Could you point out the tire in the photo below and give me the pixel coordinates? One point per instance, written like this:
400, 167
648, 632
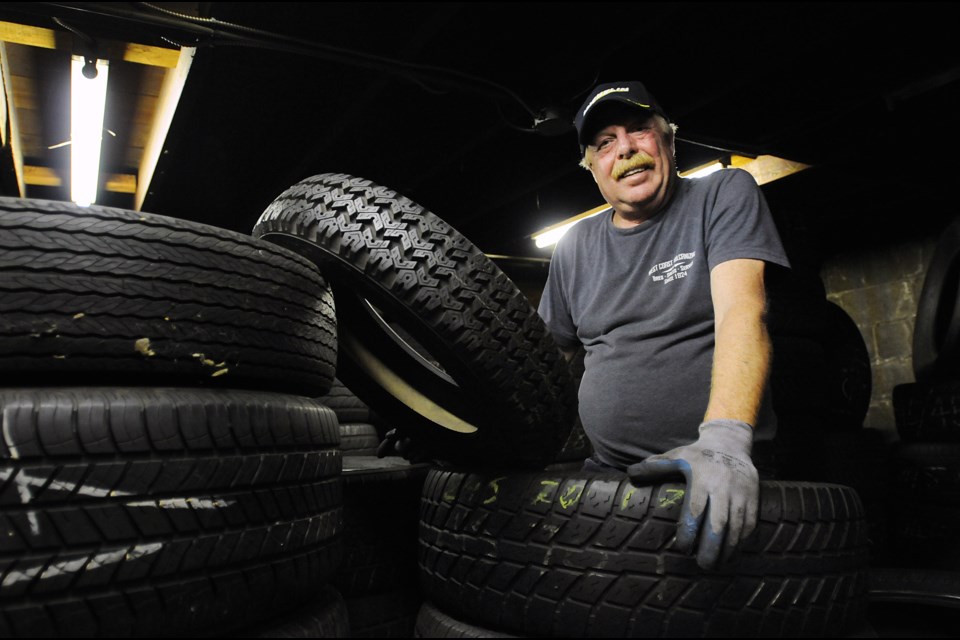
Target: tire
384, 615
347, 406
927, 411
932, 587
849, 381
831, 371
924, 505
936, 333
325, 617
795, 303
432, 334
590, 555
381, 497
862, 460
136, 512
930, 470
913, 603
798, 377
433, 623
114, 297
577, 446
359, 439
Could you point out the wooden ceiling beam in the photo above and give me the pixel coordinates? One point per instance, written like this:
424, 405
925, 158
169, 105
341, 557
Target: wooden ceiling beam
11, 124
46, 177
108, 49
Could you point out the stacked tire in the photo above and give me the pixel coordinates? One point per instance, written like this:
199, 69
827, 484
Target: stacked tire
926, 501
377, 576
821, 385
165, 470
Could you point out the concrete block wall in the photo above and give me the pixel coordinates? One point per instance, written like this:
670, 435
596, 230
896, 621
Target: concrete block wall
880, 289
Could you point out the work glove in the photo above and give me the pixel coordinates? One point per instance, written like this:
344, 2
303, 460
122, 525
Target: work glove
394, 443
723, 488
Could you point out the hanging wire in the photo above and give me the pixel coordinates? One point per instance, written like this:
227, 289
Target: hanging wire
407, 70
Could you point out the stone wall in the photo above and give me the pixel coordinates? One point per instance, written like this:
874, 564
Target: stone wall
880, 288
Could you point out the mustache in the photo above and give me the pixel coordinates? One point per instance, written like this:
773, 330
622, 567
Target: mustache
640, 160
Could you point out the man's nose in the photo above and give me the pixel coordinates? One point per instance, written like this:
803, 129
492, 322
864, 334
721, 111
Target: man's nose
626, 145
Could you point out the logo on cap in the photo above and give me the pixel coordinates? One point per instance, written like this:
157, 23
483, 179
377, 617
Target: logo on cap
607, 92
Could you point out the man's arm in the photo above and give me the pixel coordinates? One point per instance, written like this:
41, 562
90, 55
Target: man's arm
741, 358
722, 495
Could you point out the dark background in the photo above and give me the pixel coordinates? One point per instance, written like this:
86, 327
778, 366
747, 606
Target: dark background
442, 112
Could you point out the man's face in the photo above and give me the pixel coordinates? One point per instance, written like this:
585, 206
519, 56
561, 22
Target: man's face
632, 163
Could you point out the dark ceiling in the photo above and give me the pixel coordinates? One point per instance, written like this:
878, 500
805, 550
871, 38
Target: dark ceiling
436, 101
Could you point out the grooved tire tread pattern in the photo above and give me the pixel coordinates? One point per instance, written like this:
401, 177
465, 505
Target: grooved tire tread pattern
347, 406
127, 298
359, 439
590, 555
927, 411
325, 617
433, 623
132, 511
483, 330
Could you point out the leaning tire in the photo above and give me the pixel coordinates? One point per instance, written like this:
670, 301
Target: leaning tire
115, 297
134, 512
432, 334
590, 555
936, 332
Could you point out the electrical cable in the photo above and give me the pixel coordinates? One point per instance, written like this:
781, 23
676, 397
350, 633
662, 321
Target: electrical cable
288, 44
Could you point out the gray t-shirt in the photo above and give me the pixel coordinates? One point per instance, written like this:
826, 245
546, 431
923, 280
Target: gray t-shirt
639, 301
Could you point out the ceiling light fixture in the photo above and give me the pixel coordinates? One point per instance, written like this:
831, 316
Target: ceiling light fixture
88, 97
704, 170
763, 168
550, 235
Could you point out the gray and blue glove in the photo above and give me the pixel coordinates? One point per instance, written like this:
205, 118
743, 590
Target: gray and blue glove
723, 488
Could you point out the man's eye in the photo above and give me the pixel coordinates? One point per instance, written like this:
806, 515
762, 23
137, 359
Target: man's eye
603, 143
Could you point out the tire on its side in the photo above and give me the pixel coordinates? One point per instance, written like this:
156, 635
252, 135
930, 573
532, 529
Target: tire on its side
109, 296
591, 555
162, 512
433, 623
432, 334
927, 411
347, 406
325, 616
359, 439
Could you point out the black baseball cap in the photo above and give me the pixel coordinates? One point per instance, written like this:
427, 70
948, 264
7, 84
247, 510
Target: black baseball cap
631, 93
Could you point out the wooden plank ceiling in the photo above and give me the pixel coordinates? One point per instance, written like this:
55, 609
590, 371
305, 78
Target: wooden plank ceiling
145, 83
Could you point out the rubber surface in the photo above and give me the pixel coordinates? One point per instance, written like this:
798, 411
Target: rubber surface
152, 512
432, 334
97, 295
936, 332
590, 555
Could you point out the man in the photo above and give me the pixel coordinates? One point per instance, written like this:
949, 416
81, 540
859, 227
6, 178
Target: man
666, 295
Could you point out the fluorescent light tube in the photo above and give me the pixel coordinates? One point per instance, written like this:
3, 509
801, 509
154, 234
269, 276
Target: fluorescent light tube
88, 97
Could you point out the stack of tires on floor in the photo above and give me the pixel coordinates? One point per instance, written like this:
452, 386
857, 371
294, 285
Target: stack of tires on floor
821, 385
923, 568
377, 576
164, 467
442, 345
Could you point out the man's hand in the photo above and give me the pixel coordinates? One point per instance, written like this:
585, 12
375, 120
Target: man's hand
723, 488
